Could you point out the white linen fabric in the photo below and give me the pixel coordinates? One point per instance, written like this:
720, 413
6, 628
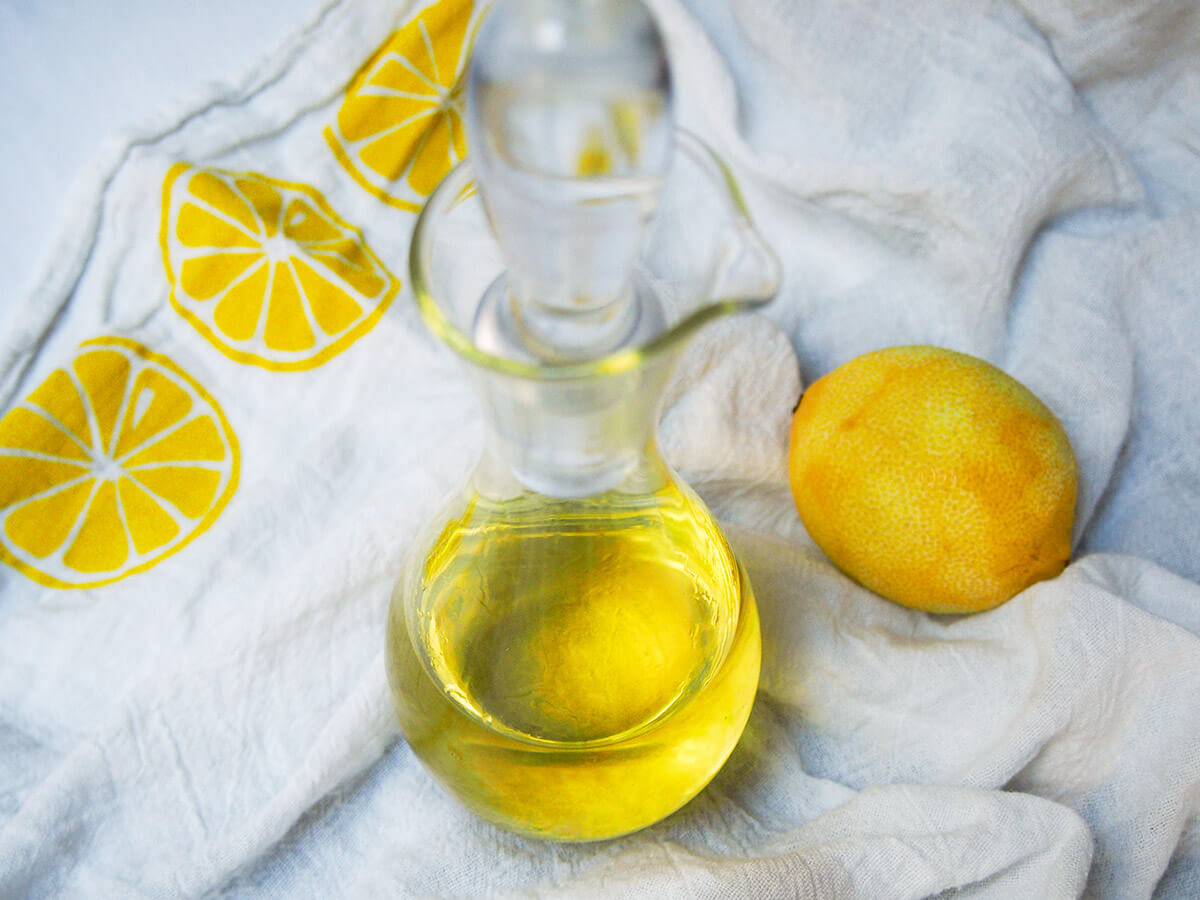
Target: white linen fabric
1020, 181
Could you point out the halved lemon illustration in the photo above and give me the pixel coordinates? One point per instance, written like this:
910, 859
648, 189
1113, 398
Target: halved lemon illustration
266, 270
116, 461
400, 127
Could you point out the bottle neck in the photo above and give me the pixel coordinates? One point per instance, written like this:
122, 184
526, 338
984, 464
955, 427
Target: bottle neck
572, 438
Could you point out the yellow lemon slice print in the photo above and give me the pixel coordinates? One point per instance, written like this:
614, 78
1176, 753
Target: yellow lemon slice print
400, 127
113, 463
266, 270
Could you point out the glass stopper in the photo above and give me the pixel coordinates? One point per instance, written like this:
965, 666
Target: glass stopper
570, 130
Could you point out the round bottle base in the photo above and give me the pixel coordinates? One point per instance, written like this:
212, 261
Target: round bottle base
590, 790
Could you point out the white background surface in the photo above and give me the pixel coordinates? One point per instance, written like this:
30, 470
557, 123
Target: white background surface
74, 72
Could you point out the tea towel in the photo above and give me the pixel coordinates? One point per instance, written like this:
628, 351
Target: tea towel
223, 422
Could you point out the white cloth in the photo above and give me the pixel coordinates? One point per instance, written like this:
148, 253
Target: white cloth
220, 722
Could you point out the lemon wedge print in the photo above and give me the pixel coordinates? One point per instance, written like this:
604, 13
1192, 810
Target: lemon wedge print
266, 270
115, 462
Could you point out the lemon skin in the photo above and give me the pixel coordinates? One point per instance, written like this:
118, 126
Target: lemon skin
933, 478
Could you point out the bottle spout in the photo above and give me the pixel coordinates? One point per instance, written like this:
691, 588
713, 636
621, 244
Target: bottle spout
747, 269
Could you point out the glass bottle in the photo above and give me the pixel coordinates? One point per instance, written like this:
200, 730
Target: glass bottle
573, 649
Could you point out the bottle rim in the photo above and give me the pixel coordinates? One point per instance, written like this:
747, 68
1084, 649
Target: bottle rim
459, 185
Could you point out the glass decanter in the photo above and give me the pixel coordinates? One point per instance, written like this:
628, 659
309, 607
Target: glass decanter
573, 649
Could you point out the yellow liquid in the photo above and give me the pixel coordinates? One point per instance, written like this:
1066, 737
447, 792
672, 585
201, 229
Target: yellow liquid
575, 670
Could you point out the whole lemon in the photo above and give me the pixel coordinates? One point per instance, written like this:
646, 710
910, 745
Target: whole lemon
933, 478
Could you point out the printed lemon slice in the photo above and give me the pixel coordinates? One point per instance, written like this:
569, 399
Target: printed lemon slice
400, 127
113, 463
266, 270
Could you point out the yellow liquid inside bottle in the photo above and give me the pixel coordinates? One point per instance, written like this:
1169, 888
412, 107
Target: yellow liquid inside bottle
575, 669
